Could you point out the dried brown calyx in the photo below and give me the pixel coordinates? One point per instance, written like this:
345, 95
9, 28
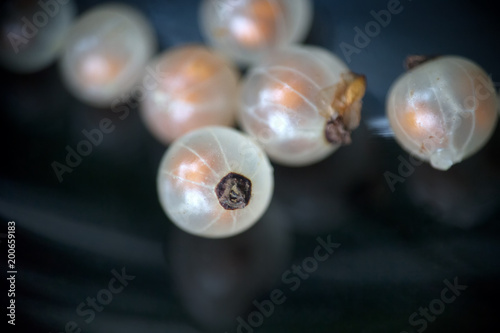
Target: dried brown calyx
346, 108
413, 61
234, 191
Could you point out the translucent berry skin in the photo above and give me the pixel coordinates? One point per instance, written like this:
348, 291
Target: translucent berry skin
246, 30
30, 37
443, 110
194, 87
105, 53
287, 101
191, 171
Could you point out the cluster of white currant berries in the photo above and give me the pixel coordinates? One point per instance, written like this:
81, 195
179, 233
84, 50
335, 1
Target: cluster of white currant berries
297, 103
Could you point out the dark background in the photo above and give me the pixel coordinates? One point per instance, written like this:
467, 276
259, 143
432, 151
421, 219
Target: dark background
396, 249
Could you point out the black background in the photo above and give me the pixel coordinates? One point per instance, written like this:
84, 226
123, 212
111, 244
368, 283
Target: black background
397, 247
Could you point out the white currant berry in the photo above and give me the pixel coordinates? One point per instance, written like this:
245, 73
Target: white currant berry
245, 30
106, 52
301, 104
443, 110
33, 33
215, 182
193, 87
